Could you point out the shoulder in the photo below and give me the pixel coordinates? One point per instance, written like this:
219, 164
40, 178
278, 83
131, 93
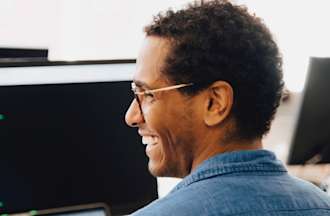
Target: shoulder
206, 197
185, 202
254, 193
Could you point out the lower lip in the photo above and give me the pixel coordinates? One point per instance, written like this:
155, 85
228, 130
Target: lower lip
150, 148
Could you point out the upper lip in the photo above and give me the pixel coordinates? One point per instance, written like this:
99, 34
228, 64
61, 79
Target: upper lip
143, 133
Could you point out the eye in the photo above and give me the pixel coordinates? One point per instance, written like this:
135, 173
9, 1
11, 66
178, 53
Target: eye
148, 96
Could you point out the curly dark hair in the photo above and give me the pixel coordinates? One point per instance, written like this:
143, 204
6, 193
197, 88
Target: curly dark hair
216, 40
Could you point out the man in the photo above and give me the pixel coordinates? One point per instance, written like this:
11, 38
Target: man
207, 84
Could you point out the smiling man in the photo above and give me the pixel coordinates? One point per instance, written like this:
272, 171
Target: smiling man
207, 85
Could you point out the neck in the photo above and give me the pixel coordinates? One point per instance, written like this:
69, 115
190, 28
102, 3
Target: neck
210, 149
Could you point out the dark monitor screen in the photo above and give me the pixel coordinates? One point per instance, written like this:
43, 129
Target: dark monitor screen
64, 141
95, 209
311, 139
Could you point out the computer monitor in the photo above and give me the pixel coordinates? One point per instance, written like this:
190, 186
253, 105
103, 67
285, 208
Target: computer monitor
311, 138
95, 209
22, 54
64, 141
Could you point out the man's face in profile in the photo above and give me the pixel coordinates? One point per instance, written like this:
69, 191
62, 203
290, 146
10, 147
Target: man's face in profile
167, 122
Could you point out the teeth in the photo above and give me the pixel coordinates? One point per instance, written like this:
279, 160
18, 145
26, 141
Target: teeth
147, 140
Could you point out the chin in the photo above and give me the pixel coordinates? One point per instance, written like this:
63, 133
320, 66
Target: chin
155, 170
158, 170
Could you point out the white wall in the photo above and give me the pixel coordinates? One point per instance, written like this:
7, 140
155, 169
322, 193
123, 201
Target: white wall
32, 23
78, 29
301, 29
112, 29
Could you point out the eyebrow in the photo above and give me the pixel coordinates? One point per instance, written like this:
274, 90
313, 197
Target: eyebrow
141, 84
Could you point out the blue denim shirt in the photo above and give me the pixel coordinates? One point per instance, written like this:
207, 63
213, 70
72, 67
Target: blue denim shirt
241, 183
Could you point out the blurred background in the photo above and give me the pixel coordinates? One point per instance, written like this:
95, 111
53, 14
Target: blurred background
112, 29
103, 29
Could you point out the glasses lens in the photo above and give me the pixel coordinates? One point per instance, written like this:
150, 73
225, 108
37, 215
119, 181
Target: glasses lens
138, 101
136, 96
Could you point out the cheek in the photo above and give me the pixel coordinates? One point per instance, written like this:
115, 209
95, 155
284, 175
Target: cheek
147, 111
161, 125
174, 137
171, 122
172, 125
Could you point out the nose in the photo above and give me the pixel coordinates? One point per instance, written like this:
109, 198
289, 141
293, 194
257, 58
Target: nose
134, 115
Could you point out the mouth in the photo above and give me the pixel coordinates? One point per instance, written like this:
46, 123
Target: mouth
151, 144
149, 140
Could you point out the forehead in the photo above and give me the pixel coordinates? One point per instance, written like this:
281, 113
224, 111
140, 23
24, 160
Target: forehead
150, 61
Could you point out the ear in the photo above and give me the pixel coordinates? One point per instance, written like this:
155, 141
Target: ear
219, 102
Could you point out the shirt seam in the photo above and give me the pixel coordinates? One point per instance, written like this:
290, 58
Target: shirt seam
227, 171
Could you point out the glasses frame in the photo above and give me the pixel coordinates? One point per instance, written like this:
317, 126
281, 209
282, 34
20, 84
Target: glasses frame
145, 92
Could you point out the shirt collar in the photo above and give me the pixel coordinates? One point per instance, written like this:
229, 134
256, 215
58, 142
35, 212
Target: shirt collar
234, 162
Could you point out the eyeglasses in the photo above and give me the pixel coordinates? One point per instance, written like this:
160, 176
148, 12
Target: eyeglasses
148, 95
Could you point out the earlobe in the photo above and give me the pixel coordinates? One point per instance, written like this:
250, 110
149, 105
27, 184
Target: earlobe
219, 103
